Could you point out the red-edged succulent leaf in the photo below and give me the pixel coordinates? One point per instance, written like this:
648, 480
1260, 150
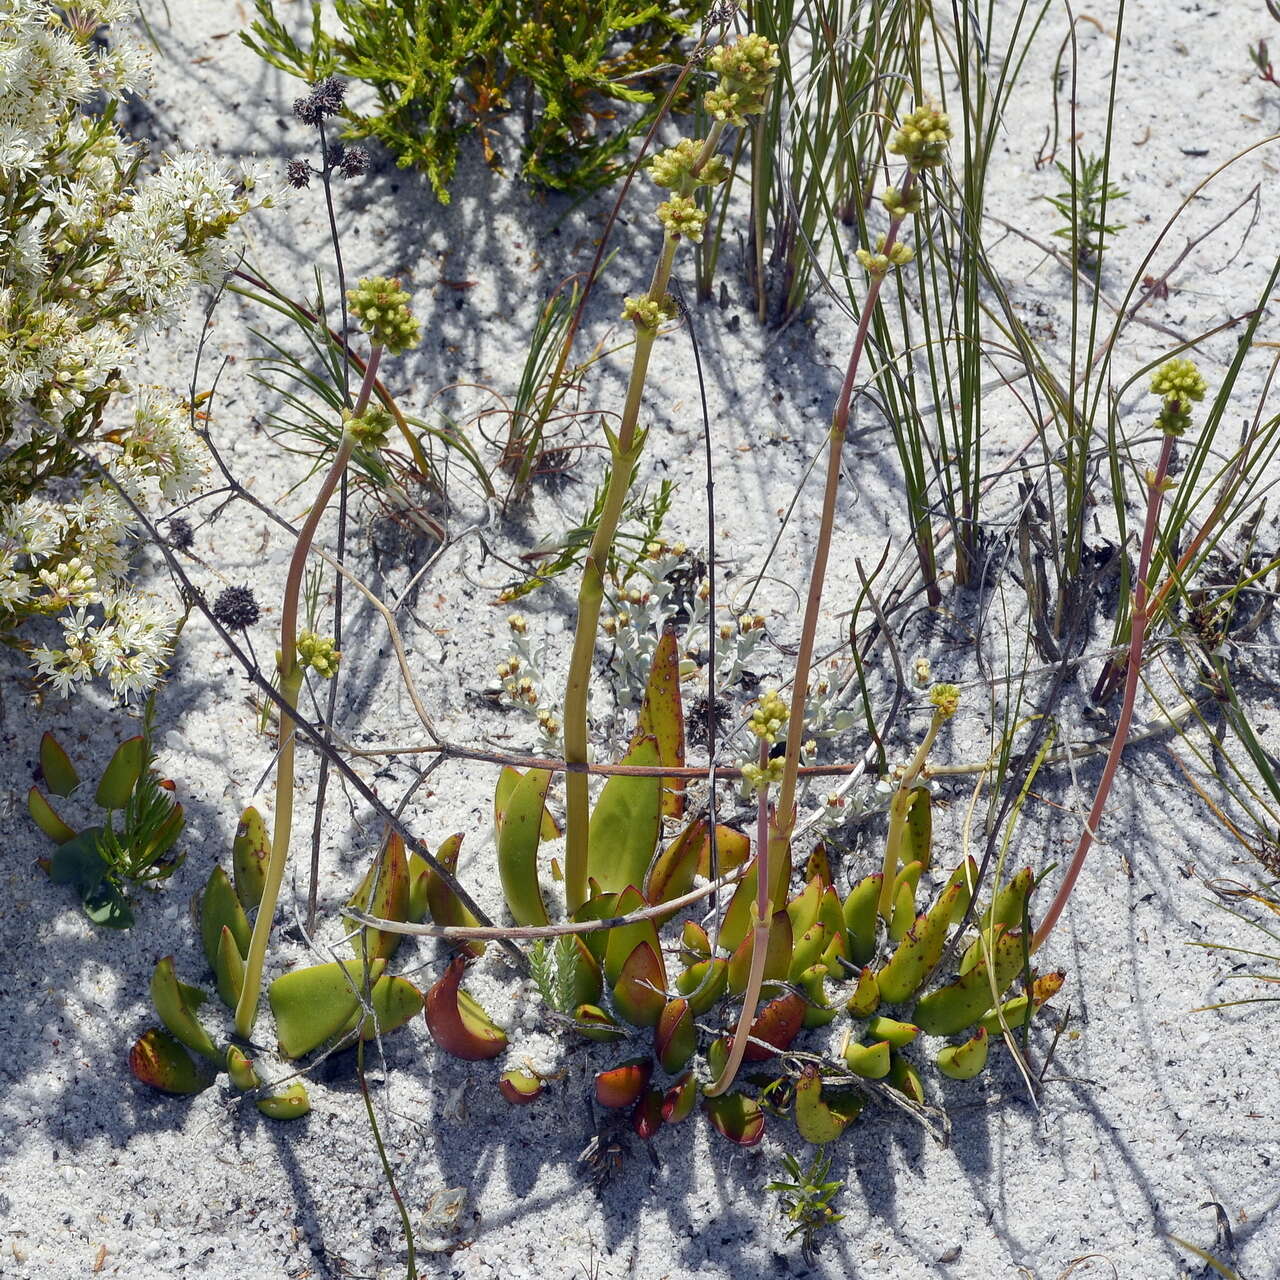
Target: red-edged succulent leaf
639, 995
662, 718
622, 940
675, 1037
159, 1060
672, 874
736, 1117
621, 1086
595, 1024
520, 1088
678, 1102
457, 1023
778, 1023
646, 1117
733, 848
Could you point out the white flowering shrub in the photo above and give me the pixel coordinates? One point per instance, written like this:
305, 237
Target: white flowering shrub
92, 259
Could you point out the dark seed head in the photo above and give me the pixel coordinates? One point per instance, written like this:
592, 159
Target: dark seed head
354, 162
236, 608
298, 173
328, 94
307, 111
181, 534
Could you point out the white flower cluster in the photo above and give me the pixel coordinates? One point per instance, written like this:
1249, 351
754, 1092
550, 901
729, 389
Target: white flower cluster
92, 259
69, 560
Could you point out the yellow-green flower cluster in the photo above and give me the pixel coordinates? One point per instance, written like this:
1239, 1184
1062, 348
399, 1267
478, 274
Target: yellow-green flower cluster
371, 428
673, 168
900, 205
880, 262
922, 138
646, 312
945, 699
760, 777
769, 716
746, 70
319, 653
1180, 383
382, 308
680, 216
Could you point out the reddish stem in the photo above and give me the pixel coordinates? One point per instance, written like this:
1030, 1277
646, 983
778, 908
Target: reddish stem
1137, 637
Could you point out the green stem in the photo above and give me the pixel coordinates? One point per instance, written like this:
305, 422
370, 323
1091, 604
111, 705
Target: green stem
290, 687
625, 451
624, 448
898, 809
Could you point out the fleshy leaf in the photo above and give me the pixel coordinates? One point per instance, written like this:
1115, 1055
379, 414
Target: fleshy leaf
174, 1001
736, 1117
159, 1060
59, 773
384, 892
662, 718
518, 825
622, 1085
250, 851
46, 818
639, 994
625, 822
219, 908
314, 1004
122, 773
457, 1023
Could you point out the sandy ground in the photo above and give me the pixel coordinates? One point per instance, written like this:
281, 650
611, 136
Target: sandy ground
1154, 1112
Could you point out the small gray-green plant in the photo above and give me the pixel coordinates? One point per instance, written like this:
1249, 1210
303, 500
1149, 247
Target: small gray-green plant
1084, 205
806, 1200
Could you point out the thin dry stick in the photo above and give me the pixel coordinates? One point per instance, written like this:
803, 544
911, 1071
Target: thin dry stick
467, 933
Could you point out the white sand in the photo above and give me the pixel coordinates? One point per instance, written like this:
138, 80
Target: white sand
1152, 1110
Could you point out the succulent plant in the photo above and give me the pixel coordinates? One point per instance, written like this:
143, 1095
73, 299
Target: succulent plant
828, 959
318, 1005
134, 842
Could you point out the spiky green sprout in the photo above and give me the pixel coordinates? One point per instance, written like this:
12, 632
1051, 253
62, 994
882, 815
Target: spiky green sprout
807, 1200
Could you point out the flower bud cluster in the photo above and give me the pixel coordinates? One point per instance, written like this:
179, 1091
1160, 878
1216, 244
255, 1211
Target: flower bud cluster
768, 717
371, 428
680, 216
382, 308
319, 653
880, 262
762, 777
945, 700
673, 168
746, 69
922, 138
648, 313
1179, 382
899, 205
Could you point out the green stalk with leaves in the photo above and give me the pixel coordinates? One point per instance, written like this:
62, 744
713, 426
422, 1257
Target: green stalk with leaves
745, 71
381, 308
